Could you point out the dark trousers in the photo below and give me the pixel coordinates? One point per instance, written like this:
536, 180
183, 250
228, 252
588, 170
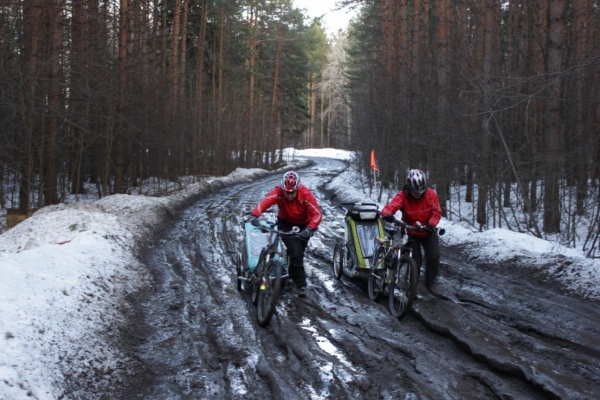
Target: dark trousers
431, 245
295, 250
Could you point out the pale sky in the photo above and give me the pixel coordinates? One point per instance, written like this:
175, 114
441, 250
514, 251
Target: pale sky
333, 20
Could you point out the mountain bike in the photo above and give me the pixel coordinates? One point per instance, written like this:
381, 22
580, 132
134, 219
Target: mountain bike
394, 267
267, 280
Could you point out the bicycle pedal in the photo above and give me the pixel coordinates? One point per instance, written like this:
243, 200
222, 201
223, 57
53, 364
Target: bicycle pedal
388, 277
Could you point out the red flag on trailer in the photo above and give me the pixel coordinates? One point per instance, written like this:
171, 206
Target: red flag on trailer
373, 163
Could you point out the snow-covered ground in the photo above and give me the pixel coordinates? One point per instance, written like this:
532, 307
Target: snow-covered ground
66, 270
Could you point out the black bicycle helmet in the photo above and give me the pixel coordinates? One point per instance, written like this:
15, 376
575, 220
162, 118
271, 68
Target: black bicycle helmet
416, 181
290, 181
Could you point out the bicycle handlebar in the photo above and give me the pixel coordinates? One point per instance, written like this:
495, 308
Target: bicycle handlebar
269, 227
418, 228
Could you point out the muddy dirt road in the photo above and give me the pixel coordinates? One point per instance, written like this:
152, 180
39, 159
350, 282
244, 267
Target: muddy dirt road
494, 331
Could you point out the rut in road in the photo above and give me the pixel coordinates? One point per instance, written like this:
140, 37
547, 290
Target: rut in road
496, 331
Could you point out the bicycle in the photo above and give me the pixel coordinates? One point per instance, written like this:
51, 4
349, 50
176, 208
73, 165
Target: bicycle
393, 265
268, 278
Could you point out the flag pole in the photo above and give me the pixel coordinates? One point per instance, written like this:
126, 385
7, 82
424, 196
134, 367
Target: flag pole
375, 169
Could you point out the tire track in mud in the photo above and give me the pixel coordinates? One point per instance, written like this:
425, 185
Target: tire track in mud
519, 329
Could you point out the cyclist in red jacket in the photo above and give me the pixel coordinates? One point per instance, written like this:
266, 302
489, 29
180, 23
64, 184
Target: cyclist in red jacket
297, 207
419, 205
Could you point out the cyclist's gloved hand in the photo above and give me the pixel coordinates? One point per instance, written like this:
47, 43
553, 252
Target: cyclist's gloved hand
388, 218
430, 227
253, 220
305, 233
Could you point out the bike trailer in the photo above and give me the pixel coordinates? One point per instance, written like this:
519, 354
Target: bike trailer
363, 225
255, 240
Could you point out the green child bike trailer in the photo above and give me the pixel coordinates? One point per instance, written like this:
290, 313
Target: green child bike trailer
362, 224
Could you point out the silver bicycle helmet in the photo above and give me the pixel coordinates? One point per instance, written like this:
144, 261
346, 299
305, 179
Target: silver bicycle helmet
416, 181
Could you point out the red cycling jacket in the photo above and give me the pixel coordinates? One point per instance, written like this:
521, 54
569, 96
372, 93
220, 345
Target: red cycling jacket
303, 210
425, 210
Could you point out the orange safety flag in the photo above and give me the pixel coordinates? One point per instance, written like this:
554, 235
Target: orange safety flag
373, 163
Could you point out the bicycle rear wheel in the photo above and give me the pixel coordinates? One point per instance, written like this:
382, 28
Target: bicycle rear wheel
376, 282
403, 289
338, 261
268, 293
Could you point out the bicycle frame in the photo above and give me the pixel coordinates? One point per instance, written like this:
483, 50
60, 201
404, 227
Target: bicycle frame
274, 251
270, 272
394, 266
389, 245
385, 255
407, 239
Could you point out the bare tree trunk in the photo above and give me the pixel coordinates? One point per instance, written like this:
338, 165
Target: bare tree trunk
595, 153
488, 56
120, 128
321, 118
596, 150
388, 82
313, 109
415, 74
403, 55
54, 31
199, 87
540, 24
31, 16
78, 100
469, 184
443, 70
329, 102
274, 98
218, 89
248, 149
553, 118
181, 94
163, 36
583, 23
175, 134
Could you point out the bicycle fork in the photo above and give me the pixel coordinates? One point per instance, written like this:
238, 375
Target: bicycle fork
284, 271
390, 262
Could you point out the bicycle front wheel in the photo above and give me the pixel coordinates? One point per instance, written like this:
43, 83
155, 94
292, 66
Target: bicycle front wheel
376, 282
403, 289
255, 288
257, 277
268, 292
